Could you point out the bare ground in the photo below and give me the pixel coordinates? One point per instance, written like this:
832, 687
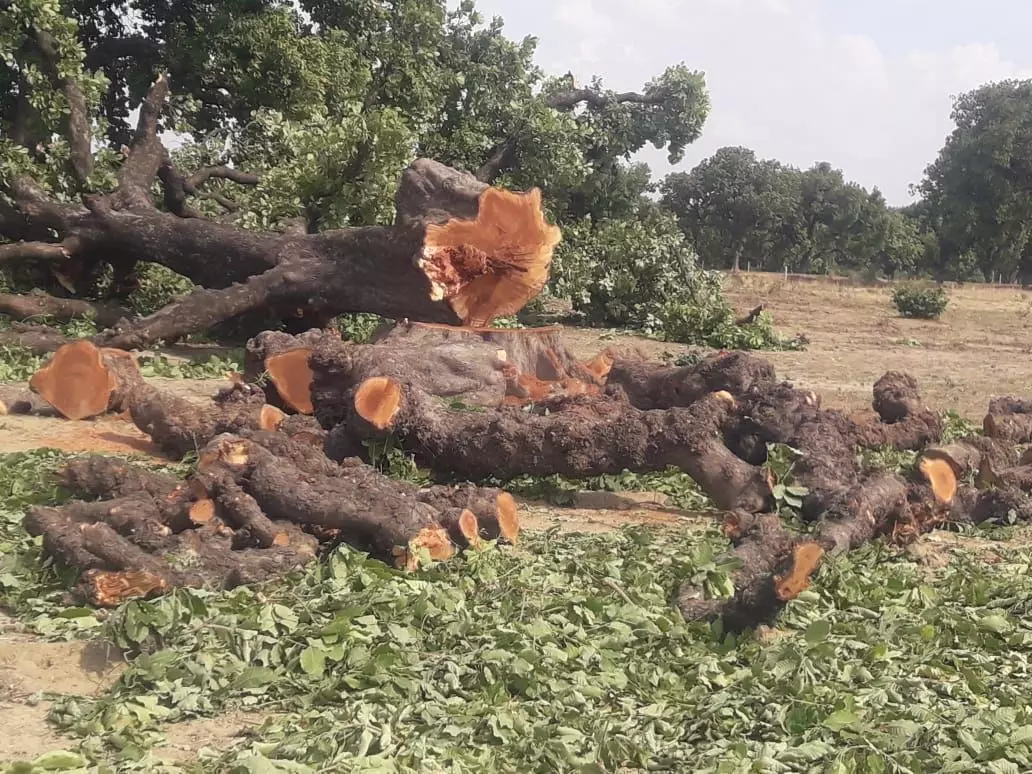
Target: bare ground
981, 347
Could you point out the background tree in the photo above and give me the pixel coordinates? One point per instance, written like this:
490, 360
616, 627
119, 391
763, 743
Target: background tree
734, 206
979, 189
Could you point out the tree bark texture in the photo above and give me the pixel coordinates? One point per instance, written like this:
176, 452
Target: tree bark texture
257, 506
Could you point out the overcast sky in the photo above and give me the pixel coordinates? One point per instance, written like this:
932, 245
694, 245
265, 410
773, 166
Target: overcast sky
864, 84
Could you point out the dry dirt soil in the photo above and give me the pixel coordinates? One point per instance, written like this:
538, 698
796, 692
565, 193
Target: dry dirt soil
981, 347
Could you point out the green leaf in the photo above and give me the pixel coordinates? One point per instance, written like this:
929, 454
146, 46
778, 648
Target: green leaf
995, 623
60, 760
841, 719
313, 661
818, 631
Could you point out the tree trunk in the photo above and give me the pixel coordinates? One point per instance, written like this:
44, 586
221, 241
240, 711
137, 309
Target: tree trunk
646, 385
459, 252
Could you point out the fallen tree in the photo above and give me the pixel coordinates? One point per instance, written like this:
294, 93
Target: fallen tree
573, 436
272, 482
459, 251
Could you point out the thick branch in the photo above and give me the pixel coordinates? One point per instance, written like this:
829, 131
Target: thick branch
109, 49
201, 176
78, 132
580, 436
146, 153
571, 98
36, 251
39, 304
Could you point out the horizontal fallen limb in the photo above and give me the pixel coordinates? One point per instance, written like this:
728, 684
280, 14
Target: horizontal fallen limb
40, 305
18, 400
648, 386
580, 436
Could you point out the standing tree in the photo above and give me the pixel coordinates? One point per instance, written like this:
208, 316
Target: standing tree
732, 205
299, 119
979, 189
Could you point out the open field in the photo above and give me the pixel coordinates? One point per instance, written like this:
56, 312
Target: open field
981, 347
911, 661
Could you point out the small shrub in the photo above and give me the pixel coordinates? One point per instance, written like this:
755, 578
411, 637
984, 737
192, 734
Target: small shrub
925, 303
358, 327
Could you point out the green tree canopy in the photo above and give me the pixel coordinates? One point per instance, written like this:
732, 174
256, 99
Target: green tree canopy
326, 101
978, 192
735, 208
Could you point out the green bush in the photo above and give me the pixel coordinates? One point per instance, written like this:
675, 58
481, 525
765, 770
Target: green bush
641, 273
922, 302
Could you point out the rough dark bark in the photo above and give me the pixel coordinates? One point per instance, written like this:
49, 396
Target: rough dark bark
255, 508
896, 396
579, 436
768, 553
537, 354
459, 251
468, 372
38, 339
178, 426
376, 516
38, 304
777, 565
648, 386
16, 400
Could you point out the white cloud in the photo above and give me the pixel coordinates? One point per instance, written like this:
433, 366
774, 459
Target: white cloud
782, 79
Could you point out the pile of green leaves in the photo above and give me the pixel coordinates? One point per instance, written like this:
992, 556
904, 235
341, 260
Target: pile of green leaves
561, 655
641, 273
921, 301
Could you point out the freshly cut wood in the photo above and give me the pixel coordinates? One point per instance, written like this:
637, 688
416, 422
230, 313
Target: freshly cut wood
491, 265
378, 516
494, 509
115, 568
255, 508
944, 467
574, 436
281, 361
765, 581
776, 566
646, 385
465, 371
178, 426
82, 380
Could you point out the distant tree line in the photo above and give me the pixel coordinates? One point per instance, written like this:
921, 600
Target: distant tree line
973, 221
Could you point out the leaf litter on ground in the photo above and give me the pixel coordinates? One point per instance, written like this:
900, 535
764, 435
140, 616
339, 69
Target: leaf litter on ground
561, 654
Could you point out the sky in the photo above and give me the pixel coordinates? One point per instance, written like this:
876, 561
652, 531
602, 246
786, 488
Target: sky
864, 84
